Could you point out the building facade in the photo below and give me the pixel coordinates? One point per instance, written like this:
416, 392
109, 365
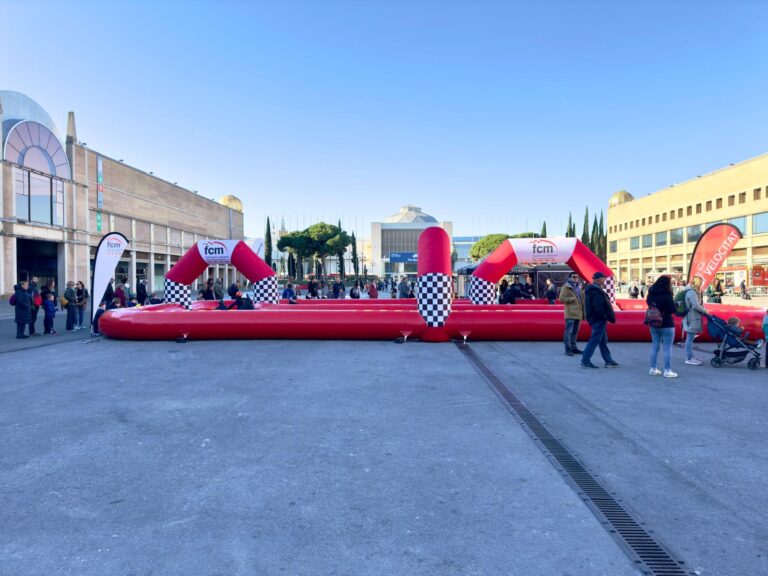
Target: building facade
657, 234
60, 197
397, 237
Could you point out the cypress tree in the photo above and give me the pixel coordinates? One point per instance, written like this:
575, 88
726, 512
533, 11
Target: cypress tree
570, 225
602, 240
544, 229
268, 245
585, 230
355, 261
594, 240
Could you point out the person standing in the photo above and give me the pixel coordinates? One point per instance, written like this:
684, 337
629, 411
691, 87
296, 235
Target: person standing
373, 291
109, 292
82, 305
23, 304
218, 289
573, 308
692, 322
141, 292
354, 292
70, 295
598, 311
37, 302
403, 290
660, 296
528, 288
502, 289
551, 293
208, 293
49, 306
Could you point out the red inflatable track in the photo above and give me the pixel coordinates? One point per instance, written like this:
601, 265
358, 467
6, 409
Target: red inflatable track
382, 320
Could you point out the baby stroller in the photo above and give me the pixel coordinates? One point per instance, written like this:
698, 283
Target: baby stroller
732, 347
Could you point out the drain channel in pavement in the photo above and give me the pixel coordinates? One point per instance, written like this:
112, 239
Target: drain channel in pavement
649, 555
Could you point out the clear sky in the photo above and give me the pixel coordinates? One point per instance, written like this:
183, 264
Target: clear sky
495, 115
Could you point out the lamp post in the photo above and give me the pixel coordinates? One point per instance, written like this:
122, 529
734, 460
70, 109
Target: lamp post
362, 263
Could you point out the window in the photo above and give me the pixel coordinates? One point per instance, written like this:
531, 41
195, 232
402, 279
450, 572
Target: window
631, 225
689, 211
657, 218
39, 198
671, 214
21, 189
679, 212
719, 203
634, 243
643, 221
648, 241
760, 223
698, 208
676, 236
742, 197
664, 217
731, 200
740, 223
612, 246
661, 238
694, 233
709, 205
756, 194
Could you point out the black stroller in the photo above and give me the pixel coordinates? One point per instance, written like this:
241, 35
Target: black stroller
732, 347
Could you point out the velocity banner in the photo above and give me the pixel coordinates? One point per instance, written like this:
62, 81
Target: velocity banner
714, 246
108, 254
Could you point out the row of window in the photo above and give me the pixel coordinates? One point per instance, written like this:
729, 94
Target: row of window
692, 233
39, 198
678, 213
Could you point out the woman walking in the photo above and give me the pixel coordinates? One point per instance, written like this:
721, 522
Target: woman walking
662, 335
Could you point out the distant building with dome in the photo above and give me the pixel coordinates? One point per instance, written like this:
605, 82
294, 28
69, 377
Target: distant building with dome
394, 240
60, 197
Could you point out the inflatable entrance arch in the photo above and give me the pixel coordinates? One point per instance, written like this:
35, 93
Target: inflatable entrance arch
571, 251
207, 252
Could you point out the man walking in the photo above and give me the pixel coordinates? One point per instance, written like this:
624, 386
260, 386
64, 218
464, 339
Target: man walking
599, 311
573, 300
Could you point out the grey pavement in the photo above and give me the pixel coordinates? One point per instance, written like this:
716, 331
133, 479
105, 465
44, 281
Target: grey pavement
265, 457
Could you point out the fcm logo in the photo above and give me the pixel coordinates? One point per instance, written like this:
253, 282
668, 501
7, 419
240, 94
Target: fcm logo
114, 244
543, 247
213, 250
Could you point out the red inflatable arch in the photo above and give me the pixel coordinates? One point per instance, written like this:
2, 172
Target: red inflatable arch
207, 252
570, 251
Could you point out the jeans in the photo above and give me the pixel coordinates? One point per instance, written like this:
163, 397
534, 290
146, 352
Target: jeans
570, 334
79, 315
597, 338
34, 311
48, 325
661, 336
689, 345
71, 311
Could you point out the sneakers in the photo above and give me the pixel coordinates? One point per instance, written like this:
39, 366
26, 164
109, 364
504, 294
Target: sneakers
694, 361
654, 372
568, 353
588, 365
759, 344
577, 351
612, 364
669, 374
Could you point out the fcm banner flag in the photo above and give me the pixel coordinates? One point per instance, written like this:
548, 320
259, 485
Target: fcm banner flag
108, 254
711, 250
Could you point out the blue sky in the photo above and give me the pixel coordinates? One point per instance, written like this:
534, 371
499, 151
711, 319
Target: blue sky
495, 115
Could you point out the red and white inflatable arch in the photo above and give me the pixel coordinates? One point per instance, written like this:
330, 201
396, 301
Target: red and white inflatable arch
207, 252
571, 251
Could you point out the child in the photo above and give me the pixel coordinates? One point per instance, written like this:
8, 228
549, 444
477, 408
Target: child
735, 325
49, 305
99, 312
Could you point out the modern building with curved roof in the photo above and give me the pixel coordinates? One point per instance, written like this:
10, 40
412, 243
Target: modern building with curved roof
60, 197
394, 240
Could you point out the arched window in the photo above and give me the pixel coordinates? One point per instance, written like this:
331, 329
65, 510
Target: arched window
32, 145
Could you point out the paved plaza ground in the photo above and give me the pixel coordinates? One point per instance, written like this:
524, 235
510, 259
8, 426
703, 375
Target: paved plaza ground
365, 458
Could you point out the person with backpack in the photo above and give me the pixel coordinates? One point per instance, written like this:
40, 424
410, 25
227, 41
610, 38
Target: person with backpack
688, 306
661, 307
354, 293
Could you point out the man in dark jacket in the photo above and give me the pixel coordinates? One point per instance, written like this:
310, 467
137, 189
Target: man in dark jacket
141, 292
109, 293
23, 304
234, 289
599, 311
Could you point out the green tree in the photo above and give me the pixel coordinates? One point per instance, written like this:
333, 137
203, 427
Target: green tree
268, 245
355, 261
486, 245
298, 245
593, 238
543, 229
602, 240
585, 230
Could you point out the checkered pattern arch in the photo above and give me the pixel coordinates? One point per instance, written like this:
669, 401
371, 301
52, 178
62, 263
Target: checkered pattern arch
265, 290
481, 291
178, 293
610, 288
435, 292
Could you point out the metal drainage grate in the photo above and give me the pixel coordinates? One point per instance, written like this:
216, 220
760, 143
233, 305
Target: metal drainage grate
644, 550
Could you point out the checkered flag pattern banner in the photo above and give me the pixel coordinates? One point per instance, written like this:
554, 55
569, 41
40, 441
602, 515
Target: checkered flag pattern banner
178, 293
435, 292
265, 290
481, 291
610, 288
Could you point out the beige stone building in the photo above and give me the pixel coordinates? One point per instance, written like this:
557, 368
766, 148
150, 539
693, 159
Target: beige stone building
60, 197
657, 233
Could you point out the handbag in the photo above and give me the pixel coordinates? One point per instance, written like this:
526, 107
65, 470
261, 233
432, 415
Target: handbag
63, 301
653, 317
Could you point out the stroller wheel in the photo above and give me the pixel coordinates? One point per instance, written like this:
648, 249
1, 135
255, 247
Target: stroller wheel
716, 362
754, 363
